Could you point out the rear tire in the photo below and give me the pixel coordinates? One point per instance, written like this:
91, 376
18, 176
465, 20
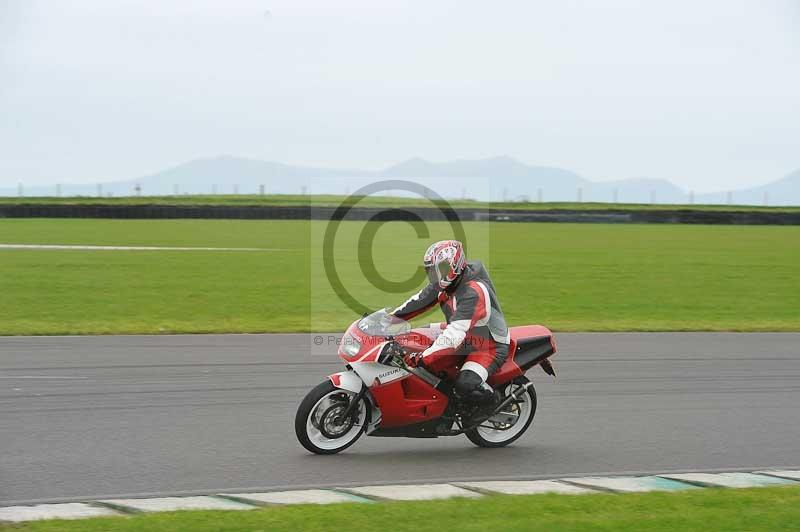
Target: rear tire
496, 437
315, 423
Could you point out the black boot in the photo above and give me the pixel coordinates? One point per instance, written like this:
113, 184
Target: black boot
483, 395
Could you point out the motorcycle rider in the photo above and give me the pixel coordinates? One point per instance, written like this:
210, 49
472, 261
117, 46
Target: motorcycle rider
475, 325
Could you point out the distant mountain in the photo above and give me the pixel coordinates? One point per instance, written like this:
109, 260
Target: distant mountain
218, 175
637, 191
227, 174
495, 179
414, 166
784, 191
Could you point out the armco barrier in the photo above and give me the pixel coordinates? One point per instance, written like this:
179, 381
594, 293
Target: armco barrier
261, 212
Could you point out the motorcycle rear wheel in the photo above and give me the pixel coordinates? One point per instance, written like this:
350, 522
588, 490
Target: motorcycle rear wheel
493, 435
317, 426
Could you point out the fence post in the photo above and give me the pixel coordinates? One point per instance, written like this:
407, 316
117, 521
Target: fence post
539, 195
261, 190
580, 194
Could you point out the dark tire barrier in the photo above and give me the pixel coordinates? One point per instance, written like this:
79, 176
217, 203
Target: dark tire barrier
260, 212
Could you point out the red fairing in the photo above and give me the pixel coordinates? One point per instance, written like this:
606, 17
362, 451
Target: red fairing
529, 331
418, 340
407, 401
371, 355
510, 370
336, 379
370, 345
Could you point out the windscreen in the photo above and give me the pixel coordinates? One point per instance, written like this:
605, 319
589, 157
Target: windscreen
382, 323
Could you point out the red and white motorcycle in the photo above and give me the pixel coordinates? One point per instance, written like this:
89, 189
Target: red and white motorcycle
381, 395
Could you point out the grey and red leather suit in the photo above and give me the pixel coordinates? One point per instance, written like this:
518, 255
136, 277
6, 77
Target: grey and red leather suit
475, 326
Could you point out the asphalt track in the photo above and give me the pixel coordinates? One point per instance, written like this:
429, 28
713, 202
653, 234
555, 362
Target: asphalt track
90, 417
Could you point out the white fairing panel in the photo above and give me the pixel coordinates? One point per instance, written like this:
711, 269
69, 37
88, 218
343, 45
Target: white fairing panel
347, 380
369, 371
350, 381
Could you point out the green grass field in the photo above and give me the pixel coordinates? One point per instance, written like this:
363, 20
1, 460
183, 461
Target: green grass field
582, 277
372, 201
709, 510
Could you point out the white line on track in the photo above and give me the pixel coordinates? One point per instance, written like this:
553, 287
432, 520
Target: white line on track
129, 248
51, 377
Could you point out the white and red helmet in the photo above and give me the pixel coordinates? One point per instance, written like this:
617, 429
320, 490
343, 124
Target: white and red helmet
444, 262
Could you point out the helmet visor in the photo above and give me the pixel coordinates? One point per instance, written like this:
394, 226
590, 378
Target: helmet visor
437, 272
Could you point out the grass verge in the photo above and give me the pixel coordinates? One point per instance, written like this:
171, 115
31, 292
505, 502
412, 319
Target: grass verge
571, 277
708, 510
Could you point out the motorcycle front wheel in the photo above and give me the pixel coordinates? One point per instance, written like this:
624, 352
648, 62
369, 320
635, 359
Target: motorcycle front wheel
506, 427
319, 425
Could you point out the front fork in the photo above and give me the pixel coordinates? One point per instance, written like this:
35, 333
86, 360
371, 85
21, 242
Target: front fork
350, 382
353, 405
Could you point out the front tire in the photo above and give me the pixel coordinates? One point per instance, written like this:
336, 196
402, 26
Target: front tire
317, 426
492, 434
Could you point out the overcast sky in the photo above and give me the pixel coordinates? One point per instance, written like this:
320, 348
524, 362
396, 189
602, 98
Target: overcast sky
704, 93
